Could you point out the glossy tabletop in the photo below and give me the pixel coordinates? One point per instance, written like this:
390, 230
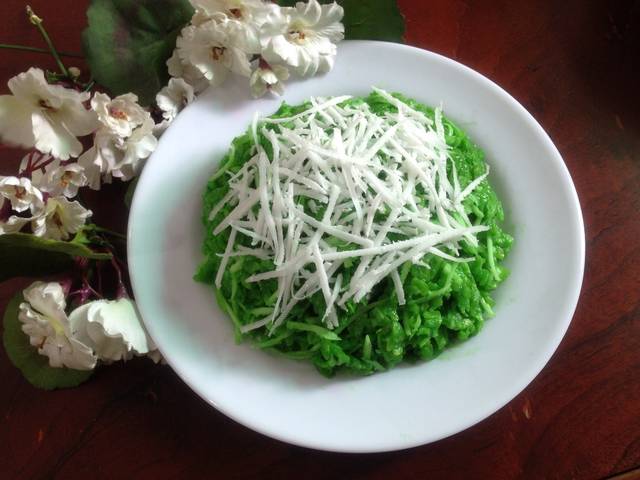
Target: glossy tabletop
575, 66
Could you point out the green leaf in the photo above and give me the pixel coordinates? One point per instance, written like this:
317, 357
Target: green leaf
34, 367
131, 189
368, 19
25, 255
128, 42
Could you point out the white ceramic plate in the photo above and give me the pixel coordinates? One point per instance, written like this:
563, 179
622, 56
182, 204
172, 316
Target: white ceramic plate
409, 405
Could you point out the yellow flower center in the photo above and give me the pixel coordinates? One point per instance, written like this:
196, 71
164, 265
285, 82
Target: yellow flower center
217, 52
45, 105
55, 218
20, 192
297, 36
118, 114
65, 179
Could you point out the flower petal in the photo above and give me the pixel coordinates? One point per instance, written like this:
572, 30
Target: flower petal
60, 219
174, 97
54, 138
112, 328
80, 357
120, 115
13, 224
77, 119
121, 317
31, 87
15, 122
49, 300
21, 193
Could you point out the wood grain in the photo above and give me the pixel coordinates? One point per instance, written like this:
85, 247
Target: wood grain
575, 66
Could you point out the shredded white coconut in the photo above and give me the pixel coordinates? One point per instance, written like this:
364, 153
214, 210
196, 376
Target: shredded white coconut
361, 171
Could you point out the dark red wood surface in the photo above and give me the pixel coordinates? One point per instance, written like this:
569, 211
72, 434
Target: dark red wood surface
575, 66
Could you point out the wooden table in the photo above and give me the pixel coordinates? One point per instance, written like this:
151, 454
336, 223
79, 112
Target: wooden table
575, 66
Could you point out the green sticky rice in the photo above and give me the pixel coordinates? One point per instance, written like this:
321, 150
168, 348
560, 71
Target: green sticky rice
446, 302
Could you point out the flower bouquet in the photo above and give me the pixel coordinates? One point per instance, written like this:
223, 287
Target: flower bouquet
82, 130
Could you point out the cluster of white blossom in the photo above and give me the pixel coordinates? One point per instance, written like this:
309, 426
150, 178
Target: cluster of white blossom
51, 119
256, 39
252, 38
78, 139
102, 330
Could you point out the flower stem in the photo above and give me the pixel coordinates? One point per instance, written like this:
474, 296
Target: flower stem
36, 161
88, 86
38, 50
122, 289
110, 232
37, 21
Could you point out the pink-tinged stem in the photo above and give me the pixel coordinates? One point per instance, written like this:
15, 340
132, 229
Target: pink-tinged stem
122, 289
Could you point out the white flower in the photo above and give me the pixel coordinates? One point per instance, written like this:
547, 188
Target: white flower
21, 193
268, 78
99, 160
61, 179
174, 97
134, 150
112, 328
210, 49
10, 223
303, 37
250, 11
120, 115
244, 19
13, 224
112, 156
60, 219
179, 69
124, 140
199, 17
47, 326
49, 117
